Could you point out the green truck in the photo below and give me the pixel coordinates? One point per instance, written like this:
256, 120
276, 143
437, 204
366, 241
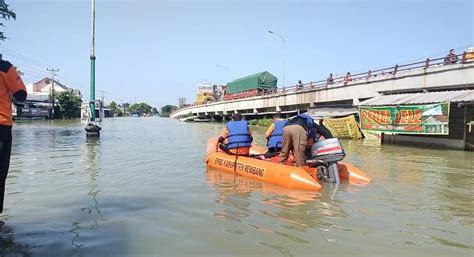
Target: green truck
251, 85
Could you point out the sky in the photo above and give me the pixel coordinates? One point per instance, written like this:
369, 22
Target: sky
157, 51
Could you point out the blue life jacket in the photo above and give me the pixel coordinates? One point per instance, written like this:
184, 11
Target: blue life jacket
310, 122
238, 134
276, 138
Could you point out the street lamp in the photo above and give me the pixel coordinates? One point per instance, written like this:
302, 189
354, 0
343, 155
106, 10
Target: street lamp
284, 54
218, 65
207, 82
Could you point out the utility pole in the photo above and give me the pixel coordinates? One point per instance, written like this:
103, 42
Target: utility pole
102, 95
102, 104
52, 73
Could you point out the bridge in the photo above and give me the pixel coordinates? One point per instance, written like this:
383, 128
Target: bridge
423, 76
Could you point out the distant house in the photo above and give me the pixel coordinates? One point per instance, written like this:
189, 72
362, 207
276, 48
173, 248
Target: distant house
44, 87
34, 107
38, 104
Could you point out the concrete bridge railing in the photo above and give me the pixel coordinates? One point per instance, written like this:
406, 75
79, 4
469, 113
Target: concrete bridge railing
429, 74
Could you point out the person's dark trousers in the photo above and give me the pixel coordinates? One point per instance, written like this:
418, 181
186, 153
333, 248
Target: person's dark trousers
5, 151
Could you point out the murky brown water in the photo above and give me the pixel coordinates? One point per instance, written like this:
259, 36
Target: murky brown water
143, 190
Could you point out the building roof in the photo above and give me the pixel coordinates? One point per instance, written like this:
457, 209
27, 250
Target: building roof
457, 96
46, 82
44, 85
37, 98
330, 112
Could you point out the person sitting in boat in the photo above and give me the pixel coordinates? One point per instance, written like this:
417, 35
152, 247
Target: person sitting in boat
296, 136
236, 137
274, 136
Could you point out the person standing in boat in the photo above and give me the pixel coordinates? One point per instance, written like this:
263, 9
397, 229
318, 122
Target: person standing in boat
321, 131
11, 86
236, 137
297, 134
274, 136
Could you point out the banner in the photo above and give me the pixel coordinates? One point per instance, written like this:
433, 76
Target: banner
373, 135
430, 119
343, 127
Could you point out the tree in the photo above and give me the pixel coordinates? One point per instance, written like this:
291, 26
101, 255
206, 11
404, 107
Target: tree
6, 14
115, 110
140, 108
125, 108
69, 105
167, 110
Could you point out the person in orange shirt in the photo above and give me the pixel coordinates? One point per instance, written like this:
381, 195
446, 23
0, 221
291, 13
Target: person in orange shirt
11, 86
236, 137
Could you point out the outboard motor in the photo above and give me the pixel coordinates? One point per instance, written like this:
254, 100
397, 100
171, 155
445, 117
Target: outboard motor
324, 155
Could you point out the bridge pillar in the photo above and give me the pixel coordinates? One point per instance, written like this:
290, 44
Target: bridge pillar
255, 110
278, 109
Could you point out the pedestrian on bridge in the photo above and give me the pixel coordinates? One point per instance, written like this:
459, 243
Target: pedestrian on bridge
299, 85
347, 78
330, 80
451, 58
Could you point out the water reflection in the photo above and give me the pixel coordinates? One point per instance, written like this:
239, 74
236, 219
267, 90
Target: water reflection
279, 211
456, 189
229, 184
8, 244
299, 209
91, 161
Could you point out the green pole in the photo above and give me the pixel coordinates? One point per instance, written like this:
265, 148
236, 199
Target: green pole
92, 92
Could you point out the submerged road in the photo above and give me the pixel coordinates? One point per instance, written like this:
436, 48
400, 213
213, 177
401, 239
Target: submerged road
143, 190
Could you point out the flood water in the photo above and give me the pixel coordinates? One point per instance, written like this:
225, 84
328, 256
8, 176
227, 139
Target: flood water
142, 190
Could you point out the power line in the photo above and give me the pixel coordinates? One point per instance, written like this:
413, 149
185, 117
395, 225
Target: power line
24, 57
25, 68
39, 66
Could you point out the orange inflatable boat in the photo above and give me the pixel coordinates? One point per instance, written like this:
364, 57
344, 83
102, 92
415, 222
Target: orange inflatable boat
271, 171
